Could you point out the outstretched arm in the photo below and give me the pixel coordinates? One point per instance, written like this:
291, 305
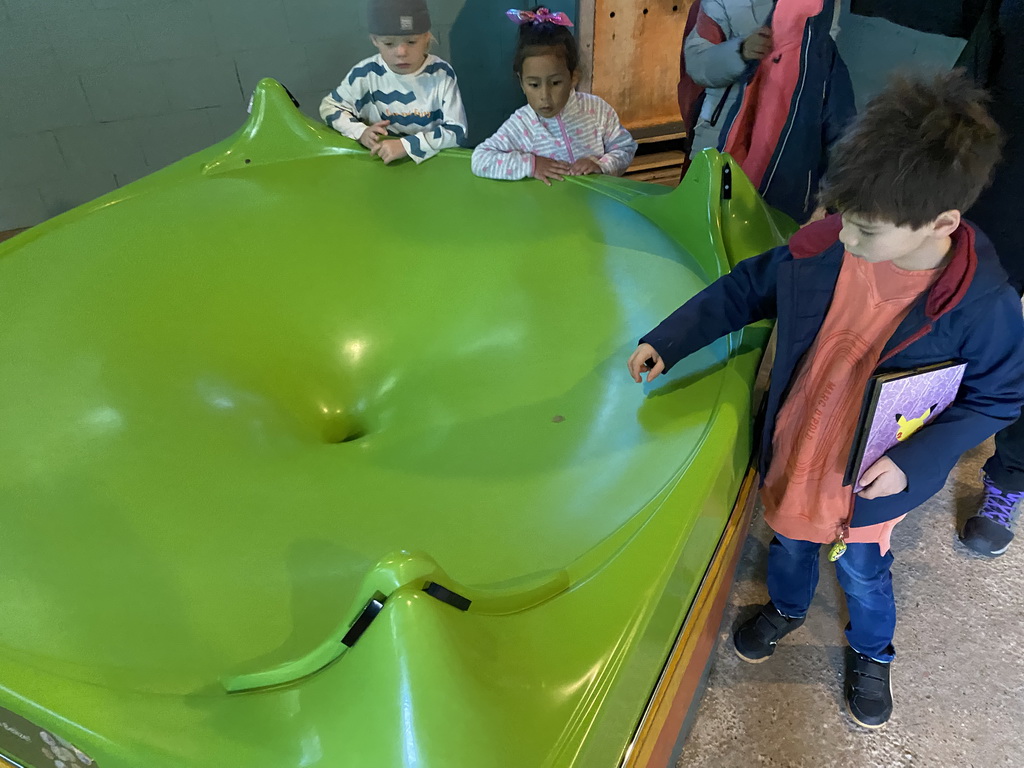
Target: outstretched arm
741, 297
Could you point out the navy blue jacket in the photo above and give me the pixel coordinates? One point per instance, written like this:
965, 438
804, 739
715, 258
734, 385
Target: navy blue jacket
969, 314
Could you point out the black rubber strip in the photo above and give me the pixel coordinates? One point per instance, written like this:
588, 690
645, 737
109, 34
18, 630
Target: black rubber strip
362, 622
445, 595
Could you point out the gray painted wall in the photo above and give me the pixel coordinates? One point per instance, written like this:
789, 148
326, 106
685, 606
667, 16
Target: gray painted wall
97, 93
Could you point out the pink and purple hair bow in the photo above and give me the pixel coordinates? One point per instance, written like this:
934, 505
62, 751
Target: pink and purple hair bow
540, 16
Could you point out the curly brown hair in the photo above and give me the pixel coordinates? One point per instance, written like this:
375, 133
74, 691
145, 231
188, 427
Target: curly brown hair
924, 145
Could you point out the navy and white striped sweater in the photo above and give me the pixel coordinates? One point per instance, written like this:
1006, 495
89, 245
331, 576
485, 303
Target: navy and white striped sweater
424, 107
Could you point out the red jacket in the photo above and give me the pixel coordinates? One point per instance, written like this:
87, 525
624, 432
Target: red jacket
792, 105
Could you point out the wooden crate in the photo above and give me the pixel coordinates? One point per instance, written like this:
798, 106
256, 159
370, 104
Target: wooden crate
660, 156
630, 54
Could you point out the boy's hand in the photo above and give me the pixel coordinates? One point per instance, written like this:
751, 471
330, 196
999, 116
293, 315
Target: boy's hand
390, 150
758, 45
883, 478
371, 136
585, 166
545, 169
645, 358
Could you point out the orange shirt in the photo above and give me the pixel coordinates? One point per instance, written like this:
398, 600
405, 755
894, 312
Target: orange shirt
803, 493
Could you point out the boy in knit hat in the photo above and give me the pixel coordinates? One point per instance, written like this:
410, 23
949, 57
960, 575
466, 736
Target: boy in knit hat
404, 92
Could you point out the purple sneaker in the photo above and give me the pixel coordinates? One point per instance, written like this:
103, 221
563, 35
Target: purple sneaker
990, 531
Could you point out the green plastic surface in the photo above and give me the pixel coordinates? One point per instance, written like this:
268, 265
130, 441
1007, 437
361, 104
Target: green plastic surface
249, 392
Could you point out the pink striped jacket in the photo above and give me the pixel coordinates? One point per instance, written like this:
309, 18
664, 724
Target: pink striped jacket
586, 127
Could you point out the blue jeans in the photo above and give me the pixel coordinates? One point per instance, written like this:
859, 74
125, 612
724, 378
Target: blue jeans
863, 574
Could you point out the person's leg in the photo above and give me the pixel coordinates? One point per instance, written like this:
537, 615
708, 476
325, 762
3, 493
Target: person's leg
792, 579
1006, 466
990, 531
864, 574
792, 575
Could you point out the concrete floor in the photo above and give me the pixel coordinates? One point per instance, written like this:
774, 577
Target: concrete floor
958, 680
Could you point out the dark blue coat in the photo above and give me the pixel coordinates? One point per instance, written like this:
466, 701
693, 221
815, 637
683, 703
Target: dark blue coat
813, 115
970, 314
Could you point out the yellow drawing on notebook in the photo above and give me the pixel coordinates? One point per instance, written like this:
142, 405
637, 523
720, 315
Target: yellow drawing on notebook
906, 427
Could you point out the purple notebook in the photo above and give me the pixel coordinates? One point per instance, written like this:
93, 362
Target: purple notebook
895, 406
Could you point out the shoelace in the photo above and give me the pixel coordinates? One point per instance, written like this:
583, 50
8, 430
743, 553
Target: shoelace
998, 504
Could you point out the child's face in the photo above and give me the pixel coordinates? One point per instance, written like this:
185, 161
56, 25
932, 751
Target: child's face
403, 54
878, 241
547, 83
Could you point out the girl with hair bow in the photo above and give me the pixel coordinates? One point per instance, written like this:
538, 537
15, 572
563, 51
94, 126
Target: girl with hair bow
560, 132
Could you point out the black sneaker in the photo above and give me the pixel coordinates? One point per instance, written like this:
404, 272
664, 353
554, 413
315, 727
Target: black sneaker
868, 693
990, 531
756, 638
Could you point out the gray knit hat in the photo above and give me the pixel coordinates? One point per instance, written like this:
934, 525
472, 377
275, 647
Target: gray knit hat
398, 17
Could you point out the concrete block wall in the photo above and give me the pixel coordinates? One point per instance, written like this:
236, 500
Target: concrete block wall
97, 93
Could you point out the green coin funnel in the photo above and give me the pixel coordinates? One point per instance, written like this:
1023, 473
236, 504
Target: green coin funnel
308, 461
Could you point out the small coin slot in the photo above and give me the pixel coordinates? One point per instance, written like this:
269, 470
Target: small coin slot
363, 621
445, 595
